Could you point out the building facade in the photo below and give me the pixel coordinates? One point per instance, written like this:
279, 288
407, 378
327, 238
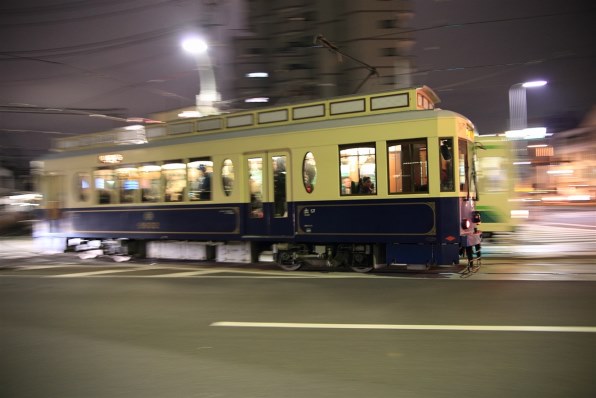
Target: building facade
318, 49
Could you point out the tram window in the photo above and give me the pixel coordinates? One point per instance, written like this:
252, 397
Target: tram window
128, 184
464, 165
446, 164
227, 176
309, 172
255, 183
175, 179
358, 169
150, 183
105, 185
408, 166
82, 186
199, 179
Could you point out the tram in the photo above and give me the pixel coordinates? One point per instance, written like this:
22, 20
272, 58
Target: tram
362, 181
499, 203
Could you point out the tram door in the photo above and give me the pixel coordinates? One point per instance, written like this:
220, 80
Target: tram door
53, 188
269, 185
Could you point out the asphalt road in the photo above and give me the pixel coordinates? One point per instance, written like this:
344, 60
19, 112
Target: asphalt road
292, 335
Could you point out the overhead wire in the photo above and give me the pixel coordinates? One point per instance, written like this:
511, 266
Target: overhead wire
53, 8
135, 9
45, 55
488, 21
105, 45
587, 11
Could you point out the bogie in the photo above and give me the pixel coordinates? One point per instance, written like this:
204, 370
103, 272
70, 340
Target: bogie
357, 257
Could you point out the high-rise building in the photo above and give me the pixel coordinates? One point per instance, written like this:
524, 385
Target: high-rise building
302, 49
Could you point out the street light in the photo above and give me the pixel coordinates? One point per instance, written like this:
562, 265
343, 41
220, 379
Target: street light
208, 94
194, 45
537, 83
518, 114
518, 128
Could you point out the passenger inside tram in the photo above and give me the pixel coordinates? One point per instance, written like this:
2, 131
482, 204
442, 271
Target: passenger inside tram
366, 186
348, 186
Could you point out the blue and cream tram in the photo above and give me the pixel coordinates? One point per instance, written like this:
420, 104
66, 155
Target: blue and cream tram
360, 181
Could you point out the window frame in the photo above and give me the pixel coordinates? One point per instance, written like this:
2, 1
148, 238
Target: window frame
413, 191
447, 184
356, 184
309, 182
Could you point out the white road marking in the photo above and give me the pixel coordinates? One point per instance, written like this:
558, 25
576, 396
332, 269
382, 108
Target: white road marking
36, 267
467, 328
184, 274
103, 272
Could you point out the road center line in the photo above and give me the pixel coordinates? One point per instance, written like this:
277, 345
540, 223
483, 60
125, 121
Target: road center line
468, 328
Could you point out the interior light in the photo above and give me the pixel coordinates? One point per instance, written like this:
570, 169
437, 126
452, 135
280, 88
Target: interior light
149, 168
257, 99
257, 74
173, 166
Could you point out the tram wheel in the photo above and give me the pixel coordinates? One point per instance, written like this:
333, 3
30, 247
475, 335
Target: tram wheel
361, 269
288, 262
360, 263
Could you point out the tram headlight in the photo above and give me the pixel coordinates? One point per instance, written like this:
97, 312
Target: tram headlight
476, 219
465, 223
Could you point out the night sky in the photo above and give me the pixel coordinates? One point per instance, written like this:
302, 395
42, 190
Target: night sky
61, 60
475, 50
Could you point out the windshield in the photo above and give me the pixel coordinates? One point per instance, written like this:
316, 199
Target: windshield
467, 168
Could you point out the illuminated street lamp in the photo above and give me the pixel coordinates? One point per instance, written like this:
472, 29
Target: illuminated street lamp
518, 114
194, 45
208, 94
518, 128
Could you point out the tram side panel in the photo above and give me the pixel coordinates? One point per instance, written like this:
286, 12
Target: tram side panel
181, 222
413, 231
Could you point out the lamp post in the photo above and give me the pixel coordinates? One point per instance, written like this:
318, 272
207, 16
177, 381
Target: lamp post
518, 114
208, 94
518, 125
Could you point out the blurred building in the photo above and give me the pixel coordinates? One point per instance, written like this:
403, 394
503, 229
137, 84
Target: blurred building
7, 181
560, 168
288, 53
572, 170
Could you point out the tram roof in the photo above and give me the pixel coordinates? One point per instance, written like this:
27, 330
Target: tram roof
410, 99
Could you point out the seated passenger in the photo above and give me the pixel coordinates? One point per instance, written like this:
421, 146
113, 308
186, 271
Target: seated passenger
348, 186
366, 186
104, 197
